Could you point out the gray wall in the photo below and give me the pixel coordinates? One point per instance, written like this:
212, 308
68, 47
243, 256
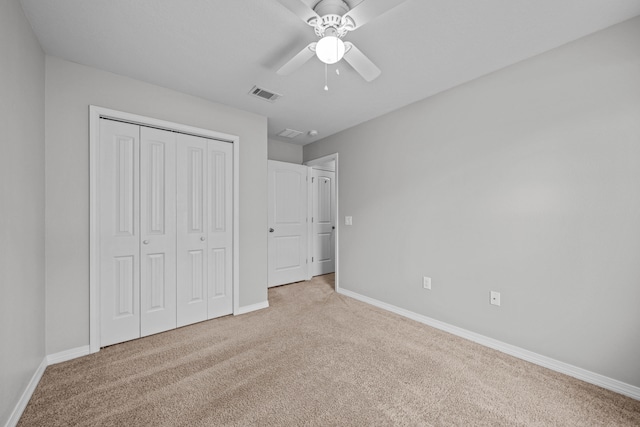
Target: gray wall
22, 293
526, 182
285, 152
70, 89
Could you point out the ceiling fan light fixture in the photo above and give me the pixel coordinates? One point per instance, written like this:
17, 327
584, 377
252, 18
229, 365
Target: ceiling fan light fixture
330, 49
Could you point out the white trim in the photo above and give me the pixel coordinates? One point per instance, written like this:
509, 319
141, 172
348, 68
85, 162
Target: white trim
94, 229
26, 395
310, 253
95, 114
236, 224
249, 308
318, 161
520, 353
72, 353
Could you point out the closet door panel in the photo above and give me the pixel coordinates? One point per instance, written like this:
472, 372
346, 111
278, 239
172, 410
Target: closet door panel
220, 233
158, 230
192, 229
119, 232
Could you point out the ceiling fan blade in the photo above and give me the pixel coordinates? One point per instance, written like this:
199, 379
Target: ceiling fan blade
370, 9
300, 9
297, 61
361, 63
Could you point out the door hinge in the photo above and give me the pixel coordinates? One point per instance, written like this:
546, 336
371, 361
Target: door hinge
311, 259
311, 219
306, 261
312, 179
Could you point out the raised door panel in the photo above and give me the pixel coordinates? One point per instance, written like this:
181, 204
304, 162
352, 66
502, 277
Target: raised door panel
220, 229
158, 231
192, 236
287, 188
119, 232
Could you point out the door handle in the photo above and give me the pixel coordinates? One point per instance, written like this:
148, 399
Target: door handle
146, 242
333, 227
271, 230
202, 238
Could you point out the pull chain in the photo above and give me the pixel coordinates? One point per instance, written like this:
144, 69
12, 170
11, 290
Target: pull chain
326, 84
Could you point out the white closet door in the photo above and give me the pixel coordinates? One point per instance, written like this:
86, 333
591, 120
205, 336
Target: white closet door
192, 264
220, 228
287, 217
119, 272
158, 231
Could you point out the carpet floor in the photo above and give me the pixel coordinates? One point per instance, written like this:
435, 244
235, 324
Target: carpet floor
315, 357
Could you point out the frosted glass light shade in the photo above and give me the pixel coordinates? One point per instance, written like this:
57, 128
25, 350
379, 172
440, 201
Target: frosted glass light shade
330, 49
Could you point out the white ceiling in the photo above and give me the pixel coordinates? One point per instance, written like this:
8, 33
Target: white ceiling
219, 49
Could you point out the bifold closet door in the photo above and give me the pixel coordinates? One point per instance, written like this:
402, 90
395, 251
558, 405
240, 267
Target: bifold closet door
220, 229
192, 229
119, 232
205, 225
157, 231
137, 231
166, 230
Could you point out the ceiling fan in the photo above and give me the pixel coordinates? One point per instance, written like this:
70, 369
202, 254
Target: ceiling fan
332, 20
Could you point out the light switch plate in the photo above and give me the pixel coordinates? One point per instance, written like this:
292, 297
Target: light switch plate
348, 220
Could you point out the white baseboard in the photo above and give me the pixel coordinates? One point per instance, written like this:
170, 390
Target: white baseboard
63, 356
50, 359
521, 353
253, 307
26, 395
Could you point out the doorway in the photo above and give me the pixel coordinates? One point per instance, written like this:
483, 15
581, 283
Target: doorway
303, 229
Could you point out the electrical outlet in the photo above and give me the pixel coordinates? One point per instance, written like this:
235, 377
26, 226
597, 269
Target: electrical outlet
495, 298
426, 282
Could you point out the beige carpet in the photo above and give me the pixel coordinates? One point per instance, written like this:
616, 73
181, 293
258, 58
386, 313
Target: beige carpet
314, 358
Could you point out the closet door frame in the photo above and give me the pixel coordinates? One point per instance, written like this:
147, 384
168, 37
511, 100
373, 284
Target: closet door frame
95, 114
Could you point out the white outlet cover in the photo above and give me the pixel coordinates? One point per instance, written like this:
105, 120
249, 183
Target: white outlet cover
495, 298
426, 282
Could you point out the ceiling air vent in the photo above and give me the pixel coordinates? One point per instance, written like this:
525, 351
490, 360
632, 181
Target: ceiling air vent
289, 133
258, 92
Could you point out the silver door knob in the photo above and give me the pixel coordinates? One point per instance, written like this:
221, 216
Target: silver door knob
271, 230
146, 242
202, 238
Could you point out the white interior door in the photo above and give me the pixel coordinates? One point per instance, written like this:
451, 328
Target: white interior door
323, 221
157, 231
192, 229
119, 271
220, 228
287, 188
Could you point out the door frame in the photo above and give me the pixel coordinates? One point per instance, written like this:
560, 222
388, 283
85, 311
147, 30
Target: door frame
320, 161
95, 114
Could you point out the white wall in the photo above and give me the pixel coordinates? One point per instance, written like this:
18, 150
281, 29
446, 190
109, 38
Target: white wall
22, 293
285, 152
70, 89
526, 182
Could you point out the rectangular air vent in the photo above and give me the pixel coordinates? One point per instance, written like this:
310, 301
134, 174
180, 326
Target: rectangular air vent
267, 95
289, 133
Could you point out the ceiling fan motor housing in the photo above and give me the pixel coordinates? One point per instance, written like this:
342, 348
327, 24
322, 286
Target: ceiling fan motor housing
331, 14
